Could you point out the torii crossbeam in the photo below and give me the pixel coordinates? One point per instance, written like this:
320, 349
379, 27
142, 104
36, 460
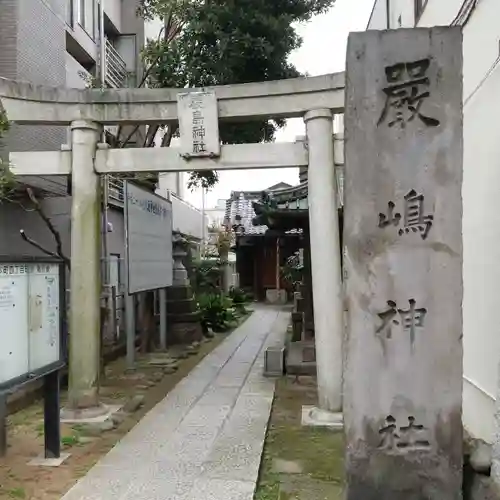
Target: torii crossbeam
316, 99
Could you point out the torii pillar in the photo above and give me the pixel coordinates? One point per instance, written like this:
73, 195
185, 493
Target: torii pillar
325, 266
85, 343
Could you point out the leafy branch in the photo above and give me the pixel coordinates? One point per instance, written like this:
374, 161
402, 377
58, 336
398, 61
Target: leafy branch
59, 253
218, 42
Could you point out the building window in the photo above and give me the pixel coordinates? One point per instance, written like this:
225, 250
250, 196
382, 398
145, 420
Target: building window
419, 8
70, 13
87, 16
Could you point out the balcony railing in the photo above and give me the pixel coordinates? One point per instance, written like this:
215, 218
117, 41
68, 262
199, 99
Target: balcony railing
115, 191
116, 69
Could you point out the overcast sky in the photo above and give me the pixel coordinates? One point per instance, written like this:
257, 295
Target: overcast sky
323, 51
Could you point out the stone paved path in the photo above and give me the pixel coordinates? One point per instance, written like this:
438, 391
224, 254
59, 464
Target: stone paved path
204, 440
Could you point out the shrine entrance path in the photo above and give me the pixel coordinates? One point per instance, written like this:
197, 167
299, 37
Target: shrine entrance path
204, 441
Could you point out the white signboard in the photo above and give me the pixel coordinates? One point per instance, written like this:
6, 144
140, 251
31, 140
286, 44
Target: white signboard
148, 224
29, 318
198, 124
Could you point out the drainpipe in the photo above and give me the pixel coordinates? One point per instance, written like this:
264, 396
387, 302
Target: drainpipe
102, 78
277, 263
105, 267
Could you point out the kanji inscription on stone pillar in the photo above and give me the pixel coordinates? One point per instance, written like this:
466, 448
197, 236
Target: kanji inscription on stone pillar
403, 238
198, 124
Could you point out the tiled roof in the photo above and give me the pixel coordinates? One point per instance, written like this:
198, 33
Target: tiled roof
239, 211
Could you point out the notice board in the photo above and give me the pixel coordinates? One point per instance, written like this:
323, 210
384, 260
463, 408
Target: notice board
30, 319
148, 225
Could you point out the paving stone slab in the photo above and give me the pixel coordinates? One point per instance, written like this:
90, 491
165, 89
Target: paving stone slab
218, 489
205, 439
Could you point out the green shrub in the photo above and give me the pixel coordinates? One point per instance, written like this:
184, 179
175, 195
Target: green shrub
216, 312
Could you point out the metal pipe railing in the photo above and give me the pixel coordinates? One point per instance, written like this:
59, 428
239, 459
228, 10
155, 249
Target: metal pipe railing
116, 69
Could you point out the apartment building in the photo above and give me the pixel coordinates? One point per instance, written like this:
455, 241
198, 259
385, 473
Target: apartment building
58, 43
481, 219
62, 43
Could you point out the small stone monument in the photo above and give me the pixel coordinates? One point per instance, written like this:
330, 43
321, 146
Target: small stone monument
403, 237
183, 317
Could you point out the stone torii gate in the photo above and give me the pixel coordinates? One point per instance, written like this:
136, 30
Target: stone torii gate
316, 100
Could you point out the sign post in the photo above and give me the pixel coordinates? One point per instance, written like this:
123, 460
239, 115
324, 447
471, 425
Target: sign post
148, 250
3, 424
162, 297
32, 339
198, 124
403, 235
51, 409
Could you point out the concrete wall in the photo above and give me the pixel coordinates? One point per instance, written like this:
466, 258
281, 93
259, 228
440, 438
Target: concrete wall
131, 23
73, 69
481, 218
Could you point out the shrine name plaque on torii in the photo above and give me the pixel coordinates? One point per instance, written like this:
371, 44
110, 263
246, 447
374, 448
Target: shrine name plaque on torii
315, 99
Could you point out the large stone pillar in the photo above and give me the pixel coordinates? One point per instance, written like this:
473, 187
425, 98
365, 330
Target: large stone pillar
403, 235
325, 258
85, 270
183, 318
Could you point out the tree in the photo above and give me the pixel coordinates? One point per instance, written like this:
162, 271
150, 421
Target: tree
219, 42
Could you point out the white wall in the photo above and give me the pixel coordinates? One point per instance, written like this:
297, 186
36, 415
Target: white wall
402, 14
440, 13
481, 189
187, 219
152, 29
167, 181
481, 36
481, 219
481, 229
378, 18
215, 216
113, 9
